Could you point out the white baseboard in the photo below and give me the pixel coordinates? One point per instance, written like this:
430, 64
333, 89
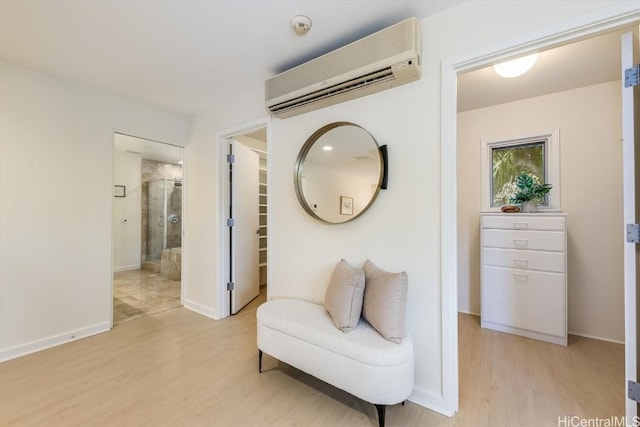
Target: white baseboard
200, 309
55, 340
570, 333
595, 338
469, 312
429, 400
127, 268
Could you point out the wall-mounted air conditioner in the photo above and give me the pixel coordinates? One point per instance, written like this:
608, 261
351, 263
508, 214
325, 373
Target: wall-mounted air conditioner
383, 60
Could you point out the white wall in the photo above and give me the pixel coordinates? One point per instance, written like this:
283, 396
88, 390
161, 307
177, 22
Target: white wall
200, 269
56, 193
591, 182
402, 229
399, 232
127, 219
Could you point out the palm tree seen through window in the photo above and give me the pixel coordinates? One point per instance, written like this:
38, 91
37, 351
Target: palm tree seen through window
509, 161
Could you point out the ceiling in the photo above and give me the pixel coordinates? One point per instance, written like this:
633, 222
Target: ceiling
587, 62
185, 55
147, 149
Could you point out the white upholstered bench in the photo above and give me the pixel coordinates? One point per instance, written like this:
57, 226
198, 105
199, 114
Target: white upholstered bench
360, 362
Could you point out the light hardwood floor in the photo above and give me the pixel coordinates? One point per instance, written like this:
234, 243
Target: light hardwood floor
178, 368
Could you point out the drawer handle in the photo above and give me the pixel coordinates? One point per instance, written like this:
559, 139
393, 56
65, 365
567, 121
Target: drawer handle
521, 277
520, 262
521, 225
523, 243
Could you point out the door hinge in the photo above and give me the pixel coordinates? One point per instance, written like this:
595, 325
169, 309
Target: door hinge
231, 286
632, 76
231, 222
633, 390
231, 158
633, 233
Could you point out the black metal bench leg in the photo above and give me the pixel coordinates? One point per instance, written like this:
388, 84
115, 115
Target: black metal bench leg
259, 361
381, 411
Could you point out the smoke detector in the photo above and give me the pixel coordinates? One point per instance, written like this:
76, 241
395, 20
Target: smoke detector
301, 24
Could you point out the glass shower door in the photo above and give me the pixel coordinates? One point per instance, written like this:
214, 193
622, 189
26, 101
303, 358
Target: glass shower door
174, 214
156, 219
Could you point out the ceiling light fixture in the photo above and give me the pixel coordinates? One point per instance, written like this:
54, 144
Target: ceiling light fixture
327, 148
515, 67
301, 24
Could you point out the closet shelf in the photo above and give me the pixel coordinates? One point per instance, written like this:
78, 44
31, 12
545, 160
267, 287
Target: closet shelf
262, 214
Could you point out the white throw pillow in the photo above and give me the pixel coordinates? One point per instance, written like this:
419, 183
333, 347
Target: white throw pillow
343, 298
385, 301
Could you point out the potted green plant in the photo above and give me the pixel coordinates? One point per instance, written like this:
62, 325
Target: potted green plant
529, 191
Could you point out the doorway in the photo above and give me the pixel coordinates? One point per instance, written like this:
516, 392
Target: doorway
584, 119
244, 203
147, 224
450, 182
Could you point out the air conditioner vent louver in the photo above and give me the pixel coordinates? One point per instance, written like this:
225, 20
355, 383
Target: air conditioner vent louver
388, 58
353, 84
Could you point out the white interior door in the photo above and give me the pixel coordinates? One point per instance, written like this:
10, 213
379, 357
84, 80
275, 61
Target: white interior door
244, 233
631, 186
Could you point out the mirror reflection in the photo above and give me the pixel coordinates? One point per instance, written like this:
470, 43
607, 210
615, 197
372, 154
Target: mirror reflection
338, 172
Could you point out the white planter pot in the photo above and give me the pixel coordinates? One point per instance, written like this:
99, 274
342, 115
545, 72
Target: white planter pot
529, 207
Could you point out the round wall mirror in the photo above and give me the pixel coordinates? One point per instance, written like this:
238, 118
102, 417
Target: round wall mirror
338, 172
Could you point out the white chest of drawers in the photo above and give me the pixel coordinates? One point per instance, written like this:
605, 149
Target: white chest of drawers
524, 275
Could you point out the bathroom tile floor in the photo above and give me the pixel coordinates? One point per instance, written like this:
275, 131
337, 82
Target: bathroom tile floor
141, 293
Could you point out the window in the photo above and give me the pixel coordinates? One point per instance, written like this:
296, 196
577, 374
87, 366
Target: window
509, 161
504, 160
